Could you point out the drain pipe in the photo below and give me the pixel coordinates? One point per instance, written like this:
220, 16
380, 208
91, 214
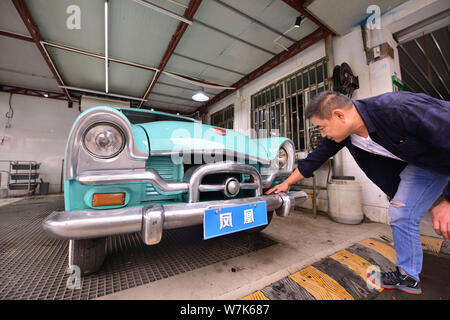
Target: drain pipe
329, 52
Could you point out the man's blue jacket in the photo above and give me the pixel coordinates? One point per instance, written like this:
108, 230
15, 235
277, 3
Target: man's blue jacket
413, 126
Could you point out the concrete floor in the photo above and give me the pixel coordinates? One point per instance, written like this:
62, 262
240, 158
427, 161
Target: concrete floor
301, 240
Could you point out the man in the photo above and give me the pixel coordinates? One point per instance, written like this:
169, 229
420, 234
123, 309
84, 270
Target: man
401, 140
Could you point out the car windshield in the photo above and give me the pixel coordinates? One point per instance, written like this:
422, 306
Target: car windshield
137, 117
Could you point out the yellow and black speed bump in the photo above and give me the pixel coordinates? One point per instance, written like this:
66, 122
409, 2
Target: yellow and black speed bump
342, 275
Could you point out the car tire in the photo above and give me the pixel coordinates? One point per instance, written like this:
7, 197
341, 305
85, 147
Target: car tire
259, 229
87, 254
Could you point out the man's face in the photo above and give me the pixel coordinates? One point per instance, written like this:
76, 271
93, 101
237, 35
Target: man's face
337, 128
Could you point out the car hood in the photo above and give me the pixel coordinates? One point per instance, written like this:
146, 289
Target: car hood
176, 136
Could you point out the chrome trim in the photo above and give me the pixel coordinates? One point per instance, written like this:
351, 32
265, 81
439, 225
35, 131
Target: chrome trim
269, 179
273, 172
288, 145
220, 187
152, 223
104, 124
288, 202
231, 187
80, 160
137, 175
152, 219
75, 225
220, 167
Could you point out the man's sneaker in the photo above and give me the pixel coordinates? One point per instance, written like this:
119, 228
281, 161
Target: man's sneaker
398, 279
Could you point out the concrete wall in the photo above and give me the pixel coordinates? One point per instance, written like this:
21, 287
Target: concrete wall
39, 131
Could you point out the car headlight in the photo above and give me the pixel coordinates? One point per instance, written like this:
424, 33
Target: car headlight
282, 157
104, 140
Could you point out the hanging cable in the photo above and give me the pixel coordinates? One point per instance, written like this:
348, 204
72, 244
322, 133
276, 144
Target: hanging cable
10, 114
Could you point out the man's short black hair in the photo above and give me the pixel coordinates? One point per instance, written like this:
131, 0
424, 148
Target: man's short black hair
324, 103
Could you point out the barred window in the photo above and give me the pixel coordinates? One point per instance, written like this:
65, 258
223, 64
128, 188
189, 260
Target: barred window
278, 110
223, 118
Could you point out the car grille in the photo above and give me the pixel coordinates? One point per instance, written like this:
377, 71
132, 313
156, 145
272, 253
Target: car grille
168, 171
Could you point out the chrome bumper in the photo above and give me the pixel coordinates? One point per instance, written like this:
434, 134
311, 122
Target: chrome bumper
151, 220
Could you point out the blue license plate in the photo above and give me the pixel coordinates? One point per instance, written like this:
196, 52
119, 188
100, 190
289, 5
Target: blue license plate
220, 221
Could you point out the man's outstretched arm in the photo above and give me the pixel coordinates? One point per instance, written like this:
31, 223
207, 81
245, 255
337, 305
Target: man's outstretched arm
306, 167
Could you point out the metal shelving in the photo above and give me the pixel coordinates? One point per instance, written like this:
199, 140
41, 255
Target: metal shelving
23, 175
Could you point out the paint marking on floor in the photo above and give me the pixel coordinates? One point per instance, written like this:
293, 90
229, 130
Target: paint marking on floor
320, 285
354, 262
258, 295
382, 248
431, 244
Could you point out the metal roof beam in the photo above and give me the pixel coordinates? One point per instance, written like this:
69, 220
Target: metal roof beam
181, 29
15, 35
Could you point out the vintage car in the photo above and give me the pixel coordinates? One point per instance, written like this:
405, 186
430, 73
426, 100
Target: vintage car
131, 170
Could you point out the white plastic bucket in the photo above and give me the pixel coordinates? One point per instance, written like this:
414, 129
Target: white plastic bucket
345, 201
3, 193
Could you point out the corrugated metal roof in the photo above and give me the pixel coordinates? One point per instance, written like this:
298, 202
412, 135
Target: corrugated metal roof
227, 40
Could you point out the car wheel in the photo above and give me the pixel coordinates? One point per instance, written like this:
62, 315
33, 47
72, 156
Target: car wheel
87, 254
259, 229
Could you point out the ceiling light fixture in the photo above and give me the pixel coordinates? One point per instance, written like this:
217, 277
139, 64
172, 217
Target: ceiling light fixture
200, 96
298, 21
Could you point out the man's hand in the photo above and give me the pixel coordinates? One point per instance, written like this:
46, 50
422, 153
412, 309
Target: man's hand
282, 187
441, 219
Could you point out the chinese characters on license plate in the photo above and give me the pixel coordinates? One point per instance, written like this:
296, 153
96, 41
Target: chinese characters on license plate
221, 221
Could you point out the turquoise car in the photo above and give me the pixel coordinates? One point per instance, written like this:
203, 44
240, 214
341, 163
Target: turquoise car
132, 170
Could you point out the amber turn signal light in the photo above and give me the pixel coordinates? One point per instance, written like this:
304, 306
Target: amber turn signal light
108, 199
